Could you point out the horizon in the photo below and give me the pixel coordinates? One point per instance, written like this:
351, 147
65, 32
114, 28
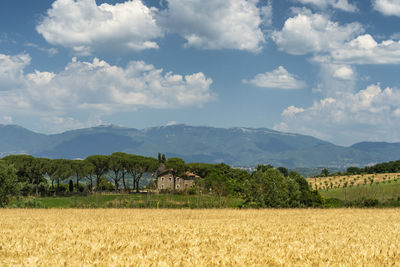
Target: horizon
326, 68
194, 126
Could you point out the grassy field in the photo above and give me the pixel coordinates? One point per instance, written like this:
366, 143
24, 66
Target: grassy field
382, 192
131, 237
130, 201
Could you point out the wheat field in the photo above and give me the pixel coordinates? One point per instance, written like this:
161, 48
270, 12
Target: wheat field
112, 237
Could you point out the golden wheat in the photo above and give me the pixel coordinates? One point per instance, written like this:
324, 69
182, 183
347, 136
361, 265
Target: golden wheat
199, 237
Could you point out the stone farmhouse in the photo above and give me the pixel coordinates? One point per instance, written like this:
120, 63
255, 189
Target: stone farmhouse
165, 181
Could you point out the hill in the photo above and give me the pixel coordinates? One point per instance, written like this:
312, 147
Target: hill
234, 146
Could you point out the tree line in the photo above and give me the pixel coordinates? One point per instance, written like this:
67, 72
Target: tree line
121, 172
98, 170
386, 167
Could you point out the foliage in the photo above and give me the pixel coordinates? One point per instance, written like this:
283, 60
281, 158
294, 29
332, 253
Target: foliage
100, 166
271, 188
283, 170
105, 185
8, 183
264, 168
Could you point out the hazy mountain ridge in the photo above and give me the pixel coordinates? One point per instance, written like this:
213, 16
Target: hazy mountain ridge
235, 146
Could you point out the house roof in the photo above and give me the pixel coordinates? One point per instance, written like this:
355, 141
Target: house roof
187, 174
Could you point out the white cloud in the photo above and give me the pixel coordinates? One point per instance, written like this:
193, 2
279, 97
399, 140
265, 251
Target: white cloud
388, 7
279, 78
349, 117
50, 51
86, 27
266, 14
365, 50
217, 24
339, 4
329, 42
343, 73
313, 33
292, 111
11, 71
96, 88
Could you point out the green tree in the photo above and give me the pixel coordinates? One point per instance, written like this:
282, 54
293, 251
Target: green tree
263, 167
81, 169
22, 163
115, 165
63, 171
325, 172
100, 165
308, 197
268, 189
51, 169
121, 161
8, 183
137, 166
283, 170
201, 169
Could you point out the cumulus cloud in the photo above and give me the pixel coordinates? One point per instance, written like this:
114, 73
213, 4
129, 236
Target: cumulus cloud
388, 7
348, 117
329, 42
343, 5
100, 88
365, 50
344, 114
218, 24
344, 73
87, 27
279, 78
313, 33
11, 71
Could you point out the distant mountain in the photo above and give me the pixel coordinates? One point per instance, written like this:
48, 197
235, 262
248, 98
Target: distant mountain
234, 146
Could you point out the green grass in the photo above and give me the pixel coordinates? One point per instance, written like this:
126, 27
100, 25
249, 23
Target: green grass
381, 191
132, 201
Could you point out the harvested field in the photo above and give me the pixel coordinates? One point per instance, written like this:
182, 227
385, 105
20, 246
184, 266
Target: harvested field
112, 237
332, 182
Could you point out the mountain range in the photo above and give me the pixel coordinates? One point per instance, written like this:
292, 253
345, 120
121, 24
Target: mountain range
234, 146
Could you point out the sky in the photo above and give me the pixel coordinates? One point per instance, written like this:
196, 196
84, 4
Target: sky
326, 68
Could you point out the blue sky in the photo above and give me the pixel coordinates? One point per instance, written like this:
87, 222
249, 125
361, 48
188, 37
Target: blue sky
327, 68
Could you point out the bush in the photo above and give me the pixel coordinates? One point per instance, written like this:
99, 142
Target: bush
105, 185
27, 203
369, 202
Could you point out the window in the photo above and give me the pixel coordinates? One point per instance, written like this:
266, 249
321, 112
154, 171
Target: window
170, 179
162, 186
162, 179
177, 186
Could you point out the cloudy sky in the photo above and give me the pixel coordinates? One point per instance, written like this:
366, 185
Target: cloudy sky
327, 68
